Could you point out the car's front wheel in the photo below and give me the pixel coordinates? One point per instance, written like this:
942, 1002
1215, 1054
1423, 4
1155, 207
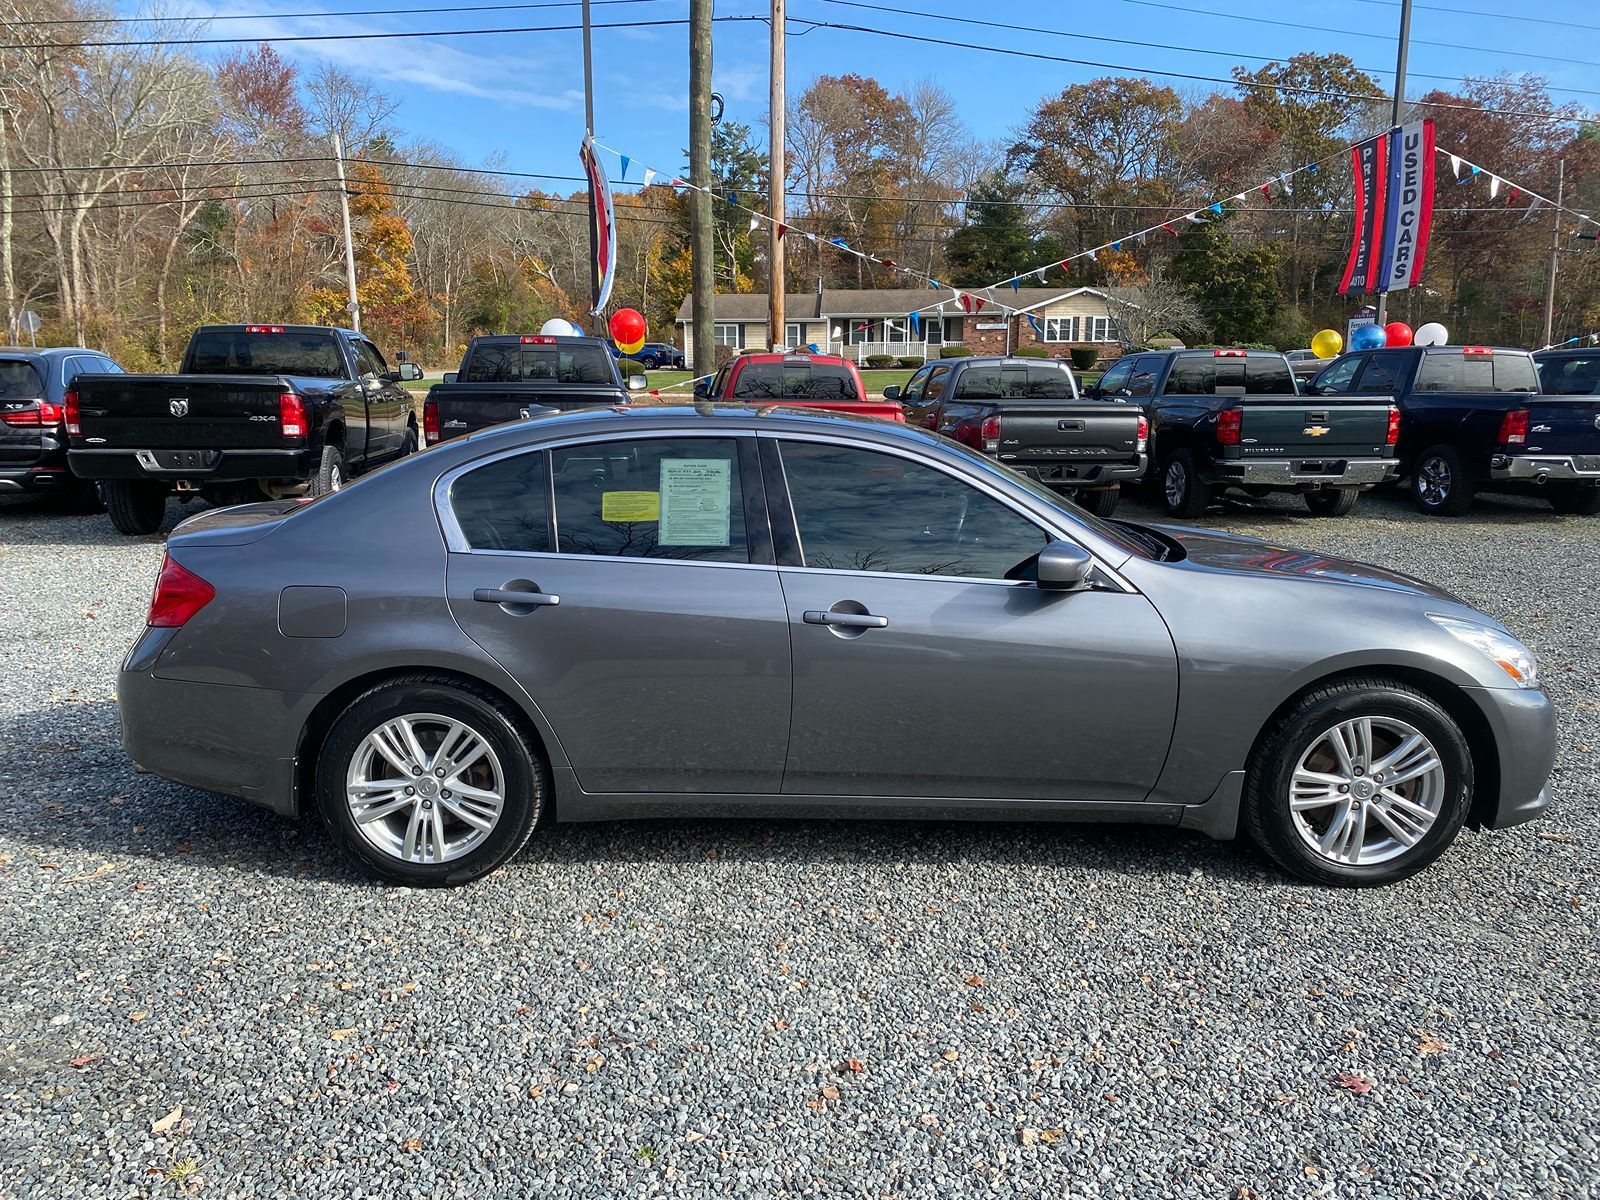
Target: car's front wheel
1364, 781
428, 782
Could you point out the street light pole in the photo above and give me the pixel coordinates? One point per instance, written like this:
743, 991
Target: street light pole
1394, 120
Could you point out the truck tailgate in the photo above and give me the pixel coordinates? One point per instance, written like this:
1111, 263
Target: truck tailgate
161, 412
1566, 425
1068, 431
1314, 427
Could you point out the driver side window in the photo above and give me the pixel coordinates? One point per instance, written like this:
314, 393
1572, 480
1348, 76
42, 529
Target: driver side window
1116, 379
1337, 377
913, 391
368, 364
859, 510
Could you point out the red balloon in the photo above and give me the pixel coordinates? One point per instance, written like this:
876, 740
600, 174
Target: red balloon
627, 326
1397, 333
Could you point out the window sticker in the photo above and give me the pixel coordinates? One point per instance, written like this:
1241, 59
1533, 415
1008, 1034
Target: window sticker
696, 499
630, 506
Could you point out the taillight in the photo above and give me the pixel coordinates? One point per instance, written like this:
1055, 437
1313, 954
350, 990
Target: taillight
74, 420
1393, 436
538, 340
31, 416
1227, 354
179, 594
1228, 422
263, 328
430, 423
989, 433
1144, 432
1514, 428
291, 415
1477, 350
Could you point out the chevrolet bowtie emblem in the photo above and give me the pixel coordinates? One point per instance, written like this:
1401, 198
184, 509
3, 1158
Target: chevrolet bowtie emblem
1315, 430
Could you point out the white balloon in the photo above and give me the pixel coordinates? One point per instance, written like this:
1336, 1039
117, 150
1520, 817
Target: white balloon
557, 327
1431, 334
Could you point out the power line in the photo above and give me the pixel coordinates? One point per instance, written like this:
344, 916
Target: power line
1477, 12
207, 18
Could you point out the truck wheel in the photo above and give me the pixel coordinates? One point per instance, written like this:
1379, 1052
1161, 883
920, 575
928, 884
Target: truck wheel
81, 496
409, 446
1440, 485
1183, 491
1102, 502
330, 475
1581, 499
1331, 502
136, 507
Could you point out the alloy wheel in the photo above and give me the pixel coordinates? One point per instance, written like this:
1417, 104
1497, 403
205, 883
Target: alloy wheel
1433, 481
1177, 483
425, 788
1366, 791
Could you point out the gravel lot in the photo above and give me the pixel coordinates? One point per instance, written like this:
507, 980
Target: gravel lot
782, 1008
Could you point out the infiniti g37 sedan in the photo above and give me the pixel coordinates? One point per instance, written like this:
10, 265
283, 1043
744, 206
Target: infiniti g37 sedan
653, 612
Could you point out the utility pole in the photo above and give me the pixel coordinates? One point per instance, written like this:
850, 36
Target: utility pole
703, 279
588, 79
1555, 253
777, 175
353, 304
1394, 120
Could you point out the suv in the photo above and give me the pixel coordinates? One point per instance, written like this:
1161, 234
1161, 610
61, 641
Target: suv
33, 421
660, 354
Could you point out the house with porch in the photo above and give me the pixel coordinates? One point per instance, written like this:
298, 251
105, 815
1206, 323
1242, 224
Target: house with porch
859, 324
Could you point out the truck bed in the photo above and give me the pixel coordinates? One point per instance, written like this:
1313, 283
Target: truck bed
1076, 441
463, 408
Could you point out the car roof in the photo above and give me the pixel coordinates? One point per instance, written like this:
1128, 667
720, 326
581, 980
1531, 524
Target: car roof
1568, 352
1009, 358
774, 356
47, 352
516, 338
1211, 350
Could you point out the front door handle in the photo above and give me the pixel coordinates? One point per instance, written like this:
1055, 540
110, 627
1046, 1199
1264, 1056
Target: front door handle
848, 620
501, 596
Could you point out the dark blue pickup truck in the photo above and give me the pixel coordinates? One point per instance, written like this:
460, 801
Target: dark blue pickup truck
1472, 419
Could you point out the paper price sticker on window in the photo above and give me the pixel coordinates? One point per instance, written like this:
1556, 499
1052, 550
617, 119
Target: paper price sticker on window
696, 499
630, 506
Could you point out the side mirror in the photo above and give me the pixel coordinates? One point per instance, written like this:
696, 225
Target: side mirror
450, 376
702, 390
892, 392
409, 372
637, 383
1064, 566
1093, 393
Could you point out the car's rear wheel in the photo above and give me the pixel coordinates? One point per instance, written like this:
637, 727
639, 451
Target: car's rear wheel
1182, 490
429, 782
136, 508
1102, 502
1440, 485
1331, 502
1362, 782
1579, 498
330, 476
650, 362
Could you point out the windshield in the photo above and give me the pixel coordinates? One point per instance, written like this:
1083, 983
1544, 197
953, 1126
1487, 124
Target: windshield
237, 352
515, 362
18, 380
795, 381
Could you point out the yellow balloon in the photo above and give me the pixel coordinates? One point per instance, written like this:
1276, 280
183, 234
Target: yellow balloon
633, 349
1327, 343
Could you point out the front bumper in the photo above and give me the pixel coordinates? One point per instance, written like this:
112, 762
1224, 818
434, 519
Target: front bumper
1070, 473
1524, 727
202, 466
1539, 468
1305, 472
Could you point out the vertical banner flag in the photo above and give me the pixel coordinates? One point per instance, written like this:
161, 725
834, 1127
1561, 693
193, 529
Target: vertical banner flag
1410, 216
602, 226
1369, 164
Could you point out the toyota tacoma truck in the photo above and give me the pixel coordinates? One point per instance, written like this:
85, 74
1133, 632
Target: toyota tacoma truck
1223, 419
1472, 419
1027, 413
795, 380
255, 412
511, 377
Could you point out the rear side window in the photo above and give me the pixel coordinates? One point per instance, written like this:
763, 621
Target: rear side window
515, 362
672, 498
795, 381
1456, 372
1193, 376
1382, 374
1268, 376
1013, 381
505, 505
1568, 375
235, 352
18, 380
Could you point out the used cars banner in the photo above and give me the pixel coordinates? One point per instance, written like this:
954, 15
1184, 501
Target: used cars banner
1393, 178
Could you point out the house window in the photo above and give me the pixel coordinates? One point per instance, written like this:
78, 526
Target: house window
729, 334
862, 332
896, 331
794, 335
1099, 329
1061, 329
933, 330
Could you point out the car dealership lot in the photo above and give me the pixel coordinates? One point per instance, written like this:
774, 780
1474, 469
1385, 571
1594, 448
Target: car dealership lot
678, 1008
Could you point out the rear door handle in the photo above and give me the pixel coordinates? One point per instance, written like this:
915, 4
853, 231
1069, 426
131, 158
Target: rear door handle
816, 616
500, 596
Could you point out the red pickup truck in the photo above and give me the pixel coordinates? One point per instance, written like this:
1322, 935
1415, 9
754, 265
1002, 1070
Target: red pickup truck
807, 380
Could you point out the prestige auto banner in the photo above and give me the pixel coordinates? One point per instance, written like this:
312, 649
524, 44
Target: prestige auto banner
1393, 181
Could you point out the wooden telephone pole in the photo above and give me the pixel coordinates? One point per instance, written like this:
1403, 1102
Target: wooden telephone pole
1555, 253
703, 280
777, 173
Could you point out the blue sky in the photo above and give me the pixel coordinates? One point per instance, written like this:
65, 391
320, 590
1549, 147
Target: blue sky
516, 99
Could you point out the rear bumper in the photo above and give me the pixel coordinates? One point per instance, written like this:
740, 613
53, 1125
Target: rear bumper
35, 478
1073, 473
1537, 468
208, 466
1524, 726
1306, 472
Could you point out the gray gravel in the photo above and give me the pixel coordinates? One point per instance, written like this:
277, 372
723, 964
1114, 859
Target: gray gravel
673, 1009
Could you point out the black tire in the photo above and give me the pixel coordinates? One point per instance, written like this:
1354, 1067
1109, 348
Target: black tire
1267, 816
1183, 492
1331, 502
525, 777
331, 473
408, 445
1579, 499
1440, 485
136, 508
1102, 502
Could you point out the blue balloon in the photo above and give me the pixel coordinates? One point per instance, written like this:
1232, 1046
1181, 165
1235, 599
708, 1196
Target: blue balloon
1367, 337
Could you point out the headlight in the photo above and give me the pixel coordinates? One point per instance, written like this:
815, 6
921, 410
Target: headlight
1510, 655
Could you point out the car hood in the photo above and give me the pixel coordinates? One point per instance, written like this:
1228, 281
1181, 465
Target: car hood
1236, 554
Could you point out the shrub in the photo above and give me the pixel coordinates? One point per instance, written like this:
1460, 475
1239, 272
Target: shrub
720, 357
880, 362
954, 350
1030, 352
909, 364
1084, 357
631, 366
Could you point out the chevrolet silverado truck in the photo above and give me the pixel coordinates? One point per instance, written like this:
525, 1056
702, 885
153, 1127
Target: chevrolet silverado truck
1472, 419
511, 377
255, 412
1027, 413
1223, 419
795, 380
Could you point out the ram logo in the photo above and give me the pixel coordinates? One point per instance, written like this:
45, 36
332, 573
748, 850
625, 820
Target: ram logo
178, 408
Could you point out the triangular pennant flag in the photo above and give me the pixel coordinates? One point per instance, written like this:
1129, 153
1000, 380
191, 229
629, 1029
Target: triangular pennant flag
1239, 199
1038, 329
649, 176
782, 229
1168, 227
1455, 165
935, 284
1092, 256
1284, 184
1533, 204
1195, 217
812, 346
1313, 169
1217, 208
916, 321
623, 174
1040, 273
1116, 246
889, 262
755, 223
1266, 190
1515, 192
677, 183
840, 242
989, 292
1494, 186
1015, 286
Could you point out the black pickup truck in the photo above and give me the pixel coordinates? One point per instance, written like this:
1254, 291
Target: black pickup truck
256, 412
1471, 419
509, 377
1234, 419
1027, 413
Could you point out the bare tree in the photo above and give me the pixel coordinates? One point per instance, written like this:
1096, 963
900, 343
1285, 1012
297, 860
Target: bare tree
1153, 307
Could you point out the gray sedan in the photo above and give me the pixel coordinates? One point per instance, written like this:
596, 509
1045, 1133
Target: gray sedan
658, 612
